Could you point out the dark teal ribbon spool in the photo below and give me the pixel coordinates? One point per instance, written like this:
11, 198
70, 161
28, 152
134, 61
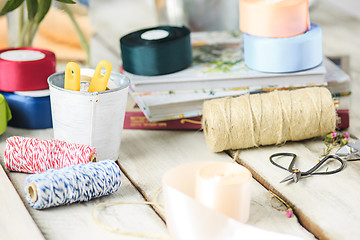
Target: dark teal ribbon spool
157, 56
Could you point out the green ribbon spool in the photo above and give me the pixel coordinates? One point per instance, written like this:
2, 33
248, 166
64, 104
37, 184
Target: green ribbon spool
156, 51
5, 114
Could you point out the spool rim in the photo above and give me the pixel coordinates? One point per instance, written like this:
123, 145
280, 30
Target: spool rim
31, 192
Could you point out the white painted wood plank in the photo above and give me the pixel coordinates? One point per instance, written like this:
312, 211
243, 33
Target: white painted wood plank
15, 221
74, 221
326, 205
147, 155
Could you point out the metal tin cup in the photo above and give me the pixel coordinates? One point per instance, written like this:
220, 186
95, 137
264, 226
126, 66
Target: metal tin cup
91, 118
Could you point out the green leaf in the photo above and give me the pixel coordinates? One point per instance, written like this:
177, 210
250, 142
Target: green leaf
67, 1
43, 8
32, 6
10, 5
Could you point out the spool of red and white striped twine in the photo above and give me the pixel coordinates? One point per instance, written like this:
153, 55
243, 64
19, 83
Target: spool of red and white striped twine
31, 155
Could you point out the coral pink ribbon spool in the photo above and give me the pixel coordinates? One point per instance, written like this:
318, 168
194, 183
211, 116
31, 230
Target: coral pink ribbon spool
274, 18
187, 218
25, 69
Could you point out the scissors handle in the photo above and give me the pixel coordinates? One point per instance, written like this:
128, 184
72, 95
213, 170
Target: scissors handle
72, 76
322, 161
292, 163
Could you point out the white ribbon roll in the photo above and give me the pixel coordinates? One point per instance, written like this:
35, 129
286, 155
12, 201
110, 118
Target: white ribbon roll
188, 219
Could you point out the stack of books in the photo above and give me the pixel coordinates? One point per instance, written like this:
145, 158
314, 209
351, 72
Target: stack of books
174, 101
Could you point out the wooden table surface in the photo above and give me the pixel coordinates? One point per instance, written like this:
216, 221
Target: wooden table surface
325, 207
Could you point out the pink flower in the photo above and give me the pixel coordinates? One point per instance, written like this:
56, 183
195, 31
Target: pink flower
346, 135
289, 213
333, 134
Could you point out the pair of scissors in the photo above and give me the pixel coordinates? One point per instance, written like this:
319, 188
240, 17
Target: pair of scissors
98, 82
296, 174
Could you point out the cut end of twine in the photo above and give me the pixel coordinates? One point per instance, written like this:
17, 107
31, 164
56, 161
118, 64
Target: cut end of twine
32, 192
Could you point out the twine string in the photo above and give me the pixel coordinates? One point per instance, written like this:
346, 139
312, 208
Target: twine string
281, 125
77, 183
268, 118
153, 202
31, 155
253, 122
228, 120
121, 232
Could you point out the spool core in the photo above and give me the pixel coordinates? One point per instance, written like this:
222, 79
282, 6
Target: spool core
154, 34
32, 192
22, 55
93, 158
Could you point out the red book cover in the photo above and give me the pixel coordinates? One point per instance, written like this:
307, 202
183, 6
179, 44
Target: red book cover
343, 121
137, 120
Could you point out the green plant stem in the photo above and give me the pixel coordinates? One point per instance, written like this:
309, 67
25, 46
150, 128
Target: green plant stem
21, 24
32, 32
82, 38
28, 34
24, 33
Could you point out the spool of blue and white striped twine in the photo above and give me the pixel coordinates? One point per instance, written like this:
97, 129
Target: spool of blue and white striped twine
77, 183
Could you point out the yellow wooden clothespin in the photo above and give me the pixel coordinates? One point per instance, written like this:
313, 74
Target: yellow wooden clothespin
72, 77
99, 82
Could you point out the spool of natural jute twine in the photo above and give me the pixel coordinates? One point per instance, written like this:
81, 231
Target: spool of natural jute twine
270, 118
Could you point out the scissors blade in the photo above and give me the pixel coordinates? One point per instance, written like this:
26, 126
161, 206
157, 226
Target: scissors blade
288, 178
295, 176
346, 150
355, 145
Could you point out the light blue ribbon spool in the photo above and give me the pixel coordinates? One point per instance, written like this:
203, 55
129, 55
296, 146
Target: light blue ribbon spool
282, 55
